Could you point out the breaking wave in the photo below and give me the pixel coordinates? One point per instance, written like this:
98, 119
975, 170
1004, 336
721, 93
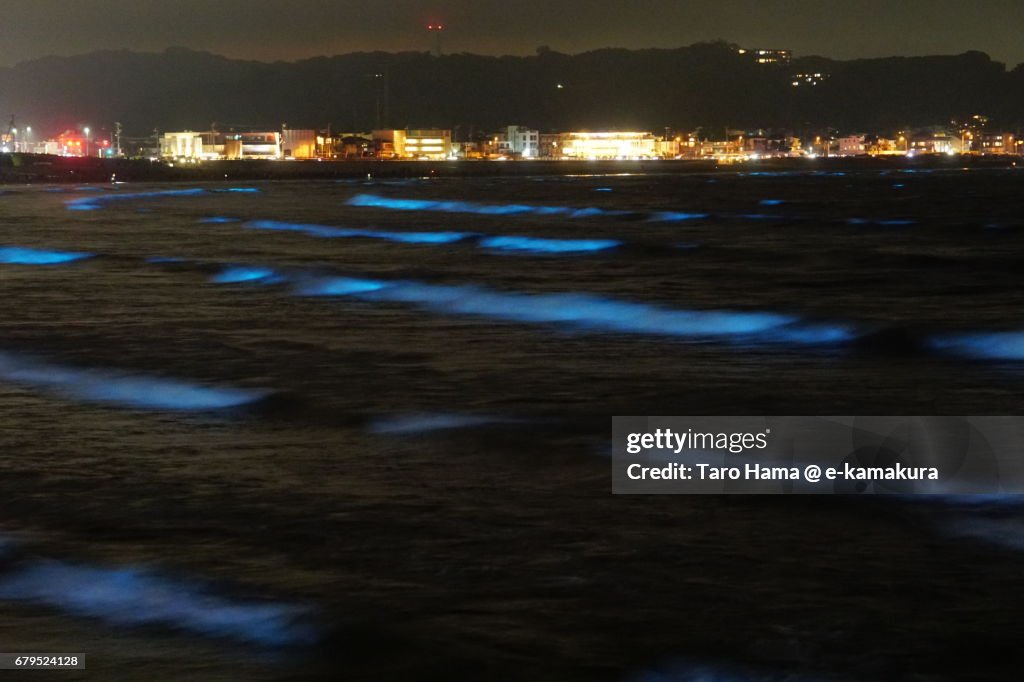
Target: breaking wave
138, 391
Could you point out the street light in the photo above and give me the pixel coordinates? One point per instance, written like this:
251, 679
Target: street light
87, 140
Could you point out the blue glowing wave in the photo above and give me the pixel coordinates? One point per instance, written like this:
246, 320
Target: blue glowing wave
138, 391
585, 312
218, 220
136, 597
375, 201
324, 231
427, 422
496, 243
900, 222
242, 274
18, 255
543, 245
990, 346
676, 216
95, 202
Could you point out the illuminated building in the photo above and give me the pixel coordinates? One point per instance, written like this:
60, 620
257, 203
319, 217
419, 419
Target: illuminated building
429, 145
299, 144
851, 145
668, 148
351, 147
882, 146
940, 143
519, 141
192, 146
71, 143
767, 57
995, 143
255, 145
607, 145
183, 145
809, 79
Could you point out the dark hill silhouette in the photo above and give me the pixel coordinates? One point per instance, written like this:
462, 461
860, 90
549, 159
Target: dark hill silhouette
707, 84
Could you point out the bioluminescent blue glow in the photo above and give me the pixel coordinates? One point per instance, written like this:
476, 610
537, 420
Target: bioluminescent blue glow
164, 259
240, 274
585, 312
95, 202
540, 245
375, 201
340, 286
19, 255
882, 223
603, 189
990, 346
218, 220
328, 232
424, 423
136, 596
771, 202
118, 388
495, 243
676, 216
239, 190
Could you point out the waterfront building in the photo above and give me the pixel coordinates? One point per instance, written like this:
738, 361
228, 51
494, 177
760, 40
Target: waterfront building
851, 145
181, 145
607, 145
995, 143
518, 141
264, 145
938, 143
299, 144
426, 144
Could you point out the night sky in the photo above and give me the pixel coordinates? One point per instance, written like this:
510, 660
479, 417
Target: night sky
295, 29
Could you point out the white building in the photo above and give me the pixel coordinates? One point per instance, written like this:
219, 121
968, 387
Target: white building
192, 146
519, 141
183, 145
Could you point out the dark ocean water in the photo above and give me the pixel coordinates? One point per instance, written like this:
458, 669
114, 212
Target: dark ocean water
360, 430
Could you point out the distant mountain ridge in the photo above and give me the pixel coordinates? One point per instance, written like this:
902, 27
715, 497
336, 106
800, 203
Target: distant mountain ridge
707, 84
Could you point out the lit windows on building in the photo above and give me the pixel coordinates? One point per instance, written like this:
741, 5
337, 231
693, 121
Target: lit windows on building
608, 145
430, 145
809, 79
518, 141
996, 143
767, 57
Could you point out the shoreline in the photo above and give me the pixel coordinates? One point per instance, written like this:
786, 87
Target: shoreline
40, 169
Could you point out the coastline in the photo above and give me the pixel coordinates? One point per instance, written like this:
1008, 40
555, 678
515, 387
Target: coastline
40, 169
